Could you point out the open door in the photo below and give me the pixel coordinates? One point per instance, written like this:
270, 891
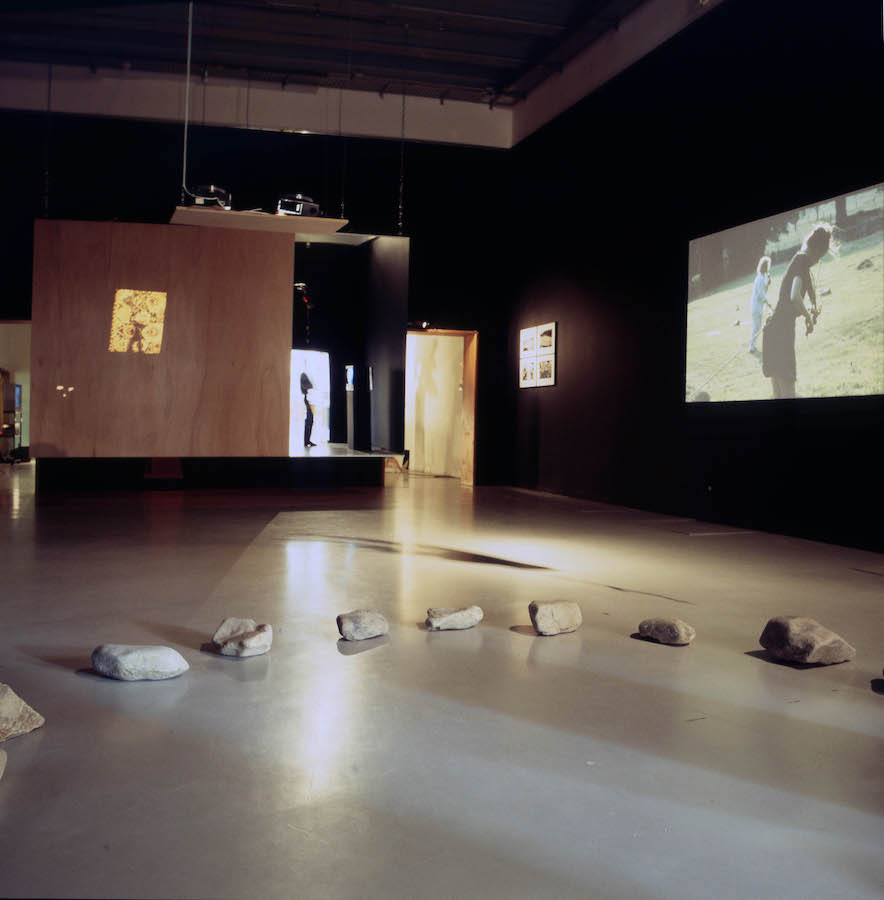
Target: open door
440, 402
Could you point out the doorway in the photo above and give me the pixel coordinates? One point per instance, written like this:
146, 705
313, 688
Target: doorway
440, 402
314, 364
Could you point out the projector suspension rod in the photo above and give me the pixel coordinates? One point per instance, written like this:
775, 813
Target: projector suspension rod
184, 190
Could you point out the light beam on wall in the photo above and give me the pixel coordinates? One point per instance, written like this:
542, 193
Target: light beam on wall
137, 321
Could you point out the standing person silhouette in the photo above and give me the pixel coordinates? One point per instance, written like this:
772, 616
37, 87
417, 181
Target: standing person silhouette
778, 337
306, 385
759, 299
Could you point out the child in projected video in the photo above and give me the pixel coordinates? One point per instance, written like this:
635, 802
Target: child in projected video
307, 385
778, 337
759, 299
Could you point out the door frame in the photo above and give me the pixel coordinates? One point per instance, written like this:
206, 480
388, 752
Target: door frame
468, 417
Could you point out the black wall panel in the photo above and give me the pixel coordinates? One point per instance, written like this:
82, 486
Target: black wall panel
755, 109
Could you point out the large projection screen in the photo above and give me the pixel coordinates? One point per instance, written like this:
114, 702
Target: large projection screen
747, 336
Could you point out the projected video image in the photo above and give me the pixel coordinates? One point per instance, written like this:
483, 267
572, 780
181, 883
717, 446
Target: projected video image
137, 322
310, 401
791, 305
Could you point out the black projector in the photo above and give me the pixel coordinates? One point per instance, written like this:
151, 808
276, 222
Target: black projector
296, 205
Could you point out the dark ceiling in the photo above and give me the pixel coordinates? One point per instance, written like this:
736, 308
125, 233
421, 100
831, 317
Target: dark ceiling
483, 51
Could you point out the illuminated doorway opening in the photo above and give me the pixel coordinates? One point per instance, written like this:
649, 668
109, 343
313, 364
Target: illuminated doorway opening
440, 402
315, 365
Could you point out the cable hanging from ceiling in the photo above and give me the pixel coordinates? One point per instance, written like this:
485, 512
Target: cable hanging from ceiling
341, 112
401, 210
184, 191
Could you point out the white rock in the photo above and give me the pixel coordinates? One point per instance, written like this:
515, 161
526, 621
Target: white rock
361, 624
2, 762
446, 618
555, 616
667, 630
232, 626
138, 662
16, 717
249, 643
242, 637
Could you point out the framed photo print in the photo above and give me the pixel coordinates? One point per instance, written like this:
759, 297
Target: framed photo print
528, 342
537, 356
546, 370
546, 339
528, 372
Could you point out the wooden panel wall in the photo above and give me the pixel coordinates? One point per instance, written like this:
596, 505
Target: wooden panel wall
219, 386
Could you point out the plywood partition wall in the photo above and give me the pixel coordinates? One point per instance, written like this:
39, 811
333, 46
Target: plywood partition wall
219, 383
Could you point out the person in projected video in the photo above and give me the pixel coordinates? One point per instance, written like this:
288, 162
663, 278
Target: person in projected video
307, 385
759, 299
778, 337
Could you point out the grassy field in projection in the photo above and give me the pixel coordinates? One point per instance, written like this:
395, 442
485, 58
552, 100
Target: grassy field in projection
844, 355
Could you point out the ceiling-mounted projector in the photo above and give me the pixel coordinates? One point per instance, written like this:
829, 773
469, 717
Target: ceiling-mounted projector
296, 205
209, 195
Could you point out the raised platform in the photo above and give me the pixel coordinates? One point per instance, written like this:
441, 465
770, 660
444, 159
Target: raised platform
331, 466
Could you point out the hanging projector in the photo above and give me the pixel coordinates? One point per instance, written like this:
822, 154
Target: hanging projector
209, 195
296, 205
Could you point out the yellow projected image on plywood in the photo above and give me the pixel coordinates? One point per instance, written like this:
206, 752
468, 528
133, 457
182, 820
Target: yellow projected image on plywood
137, 324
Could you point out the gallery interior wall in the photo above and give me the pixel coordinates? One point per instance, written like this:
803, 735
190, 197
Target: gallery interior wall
455, 213
219, 383
387, 300
756, 109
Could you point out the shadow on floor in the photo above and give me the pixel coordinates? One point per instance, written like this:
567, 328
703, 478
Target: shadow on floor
420, 550
351, 648
767, 657
78, 663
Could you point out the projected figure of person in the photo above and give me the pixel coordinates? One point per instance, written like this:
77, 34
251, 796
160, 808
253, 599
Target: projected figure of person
307, 385
759, 299
778, 337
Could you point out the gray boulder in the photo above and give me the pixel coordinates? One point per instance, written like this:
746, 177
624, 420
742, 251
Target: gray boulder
2, 762
555, 616
446, 618
138, 662
16, 717
362, 624
242, 637
667, 630
803, 640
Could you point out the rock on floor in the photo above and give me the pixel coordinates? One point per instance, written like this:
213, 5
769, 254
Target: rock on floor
16, 717
804, 640
667, 630
446, 618
242, 637
2, 762
230, 627
554, 616
138, 662
250, 643
361, 624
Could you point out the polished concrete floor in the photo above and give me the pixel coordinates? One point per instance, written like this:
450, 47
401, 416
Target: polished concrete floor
479, 764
